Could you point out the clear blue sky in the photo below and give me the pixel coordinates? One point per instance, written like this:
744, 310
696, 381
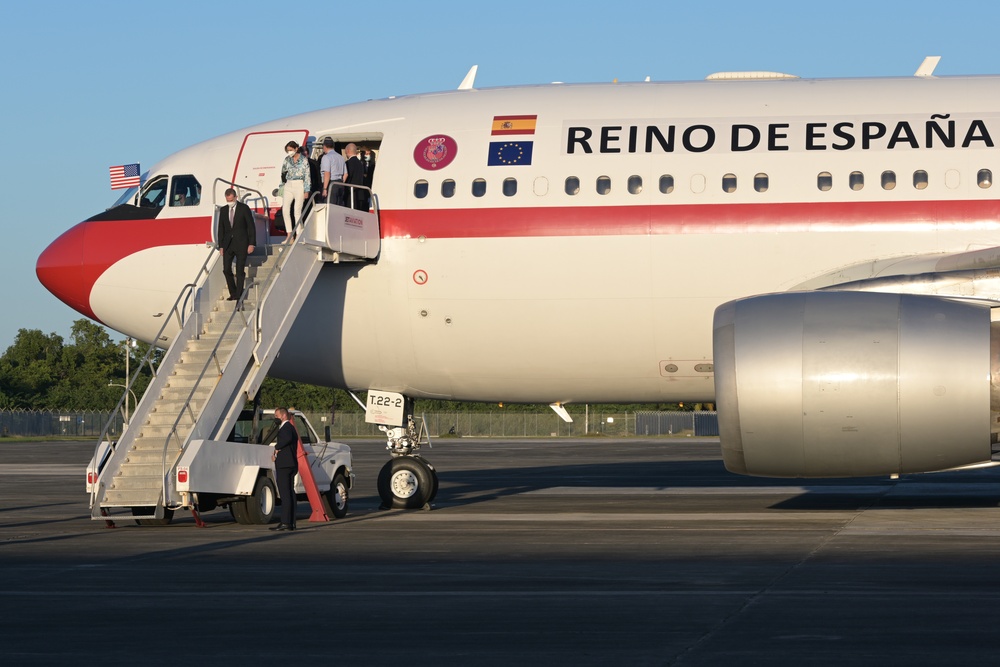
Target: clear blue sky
87, 85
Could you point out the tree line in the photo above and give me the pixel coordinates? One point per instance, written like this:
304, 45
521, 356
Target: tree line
43, 371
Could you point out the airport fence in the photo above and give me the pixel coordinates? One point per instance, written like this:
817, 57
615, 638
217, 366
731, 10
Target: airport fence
496, 424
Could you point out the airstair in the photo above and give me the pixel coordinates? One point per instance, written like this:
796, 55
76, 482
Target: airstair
218, 358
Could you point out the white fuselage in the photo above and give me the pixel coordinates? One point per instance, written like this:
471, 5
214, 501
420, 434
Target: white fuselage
545, 296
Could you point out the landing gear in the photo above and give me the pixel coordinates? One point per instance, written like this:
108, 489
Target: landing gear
407, 481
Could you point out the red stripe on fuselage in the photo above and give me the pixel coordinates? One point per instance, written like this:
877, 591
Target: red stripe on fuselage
108, 241
683, 219
70, 271
72, 264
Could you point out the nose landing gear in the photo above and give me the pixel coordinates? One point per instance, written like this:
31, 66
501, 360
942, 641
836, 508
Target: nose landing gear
407, 481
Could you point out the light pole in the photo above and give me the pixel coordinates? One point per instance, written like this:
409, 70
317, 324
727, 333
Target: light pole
129, 344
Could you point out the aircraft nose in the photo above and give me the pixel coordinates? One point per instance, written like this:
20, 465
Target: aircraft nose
61, 270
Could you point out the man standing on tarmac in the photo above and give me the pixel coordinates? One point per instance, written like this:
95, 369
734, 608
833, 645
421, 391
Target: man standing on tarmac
286, 465
332, 168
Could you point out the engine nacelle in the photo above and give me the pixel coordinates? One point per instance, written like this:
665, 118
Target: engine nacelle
848, 384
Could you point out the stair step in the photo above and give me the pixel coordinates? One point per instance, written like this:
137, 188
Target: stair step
143, 457
131, 498
141, 469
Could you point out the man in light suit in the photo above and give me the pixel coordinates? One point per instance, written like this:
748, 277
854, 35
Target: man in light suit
286, 466
237, 235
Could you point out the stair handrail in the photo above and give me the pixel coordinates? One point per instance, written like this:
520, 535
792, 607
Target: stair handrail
176, 310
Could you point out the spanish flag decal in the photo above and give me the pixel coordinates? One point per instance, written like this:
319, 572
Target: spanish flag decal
503, 125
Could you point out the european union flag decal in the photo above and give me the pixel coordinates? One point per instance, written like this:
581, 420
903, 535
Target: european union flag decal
509, 153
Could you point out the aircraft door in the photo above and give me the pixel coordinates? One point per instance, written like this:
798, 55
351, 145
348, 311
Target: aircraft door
258, 164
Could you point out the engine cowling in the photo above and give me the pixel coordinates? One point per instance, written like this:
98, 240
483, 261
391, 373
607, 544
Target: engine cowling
849, 384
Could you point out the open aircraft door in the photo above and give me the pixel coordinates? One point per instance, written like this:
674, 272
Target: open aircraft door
258, 165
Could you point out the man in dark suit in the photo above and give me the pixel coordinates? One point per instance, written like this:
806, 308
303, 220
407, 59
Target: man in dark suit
237, 235
355, 175
286, 465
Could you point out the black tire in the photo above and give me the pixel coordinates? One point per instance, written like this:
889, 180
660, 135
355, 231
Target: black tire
405, 483
338, 496
239, 511
168, 516
434, 477
260, 506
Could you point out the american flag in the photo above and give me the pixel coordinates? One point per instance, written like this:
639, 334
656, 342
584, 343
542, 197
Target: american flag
125, 176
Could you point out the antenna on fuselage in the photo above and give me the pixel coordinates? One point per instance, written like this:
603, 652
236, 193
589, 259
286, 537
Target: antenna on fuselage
927, 67
469, 80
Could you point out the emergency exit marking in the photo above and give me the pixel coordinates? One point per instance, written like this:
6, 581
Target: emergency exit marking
420, 277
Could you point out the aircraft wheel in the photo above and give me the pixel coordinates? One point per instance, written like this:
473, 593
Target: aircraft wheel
337, 496
168, 516
405, 483
434, 477
259, 507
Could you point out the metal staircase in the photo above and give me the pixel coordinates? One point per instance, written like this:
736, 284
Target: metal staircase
219, 358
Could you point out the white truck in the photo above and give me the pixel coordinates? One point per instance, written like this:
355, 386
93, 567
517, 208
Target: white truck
239, 473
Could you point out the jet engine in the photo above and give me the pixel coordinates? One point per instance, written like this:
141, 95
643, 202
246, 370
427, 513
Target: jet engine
849, 384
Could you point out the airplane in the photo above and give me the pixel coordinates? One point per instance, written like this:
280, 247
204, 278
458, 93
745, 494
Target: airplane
819, 257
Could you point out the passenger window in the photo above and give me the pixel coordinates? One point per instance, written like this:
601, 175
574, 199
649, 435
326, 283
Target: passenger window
856, 181
420, 189
572, 185
634, 184
666, 184
760, 182
155, 193
729, 183
824, 181
984, 178
448, 188
509, 187
186, 191
479, 187
920, 179
888, 180
603, 185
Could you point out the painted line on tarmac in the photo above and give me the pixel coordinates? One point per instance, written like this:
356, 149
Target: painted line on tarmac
903, 489
42, 470
959, 593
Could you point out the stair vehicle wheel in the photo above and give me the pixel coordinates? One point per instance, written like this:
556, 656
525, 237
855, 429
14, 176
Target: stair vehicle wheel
239, 511
168, 516
405, 483
259, 507
338, 496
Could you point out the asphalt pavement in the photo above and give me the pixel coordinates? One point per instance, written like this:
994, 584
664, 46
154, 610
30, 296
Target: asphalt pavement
536, 552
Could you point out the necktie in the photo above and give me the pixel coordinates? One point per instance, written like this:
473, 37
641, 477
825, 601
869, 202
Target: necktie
232, 212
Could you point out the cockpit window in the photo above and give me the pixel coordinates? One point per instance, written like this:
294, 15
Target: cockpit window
126, 197
185, 191
154, 194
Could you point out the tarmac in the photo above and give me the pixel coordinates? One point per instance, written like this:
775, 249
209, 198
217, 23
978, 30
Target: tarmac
536, 552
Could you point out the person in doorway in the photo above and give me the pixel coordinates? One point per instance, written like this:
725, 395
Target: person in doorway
368, 158
332, 169
295, 172
356, 176
286, 466
237, 235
